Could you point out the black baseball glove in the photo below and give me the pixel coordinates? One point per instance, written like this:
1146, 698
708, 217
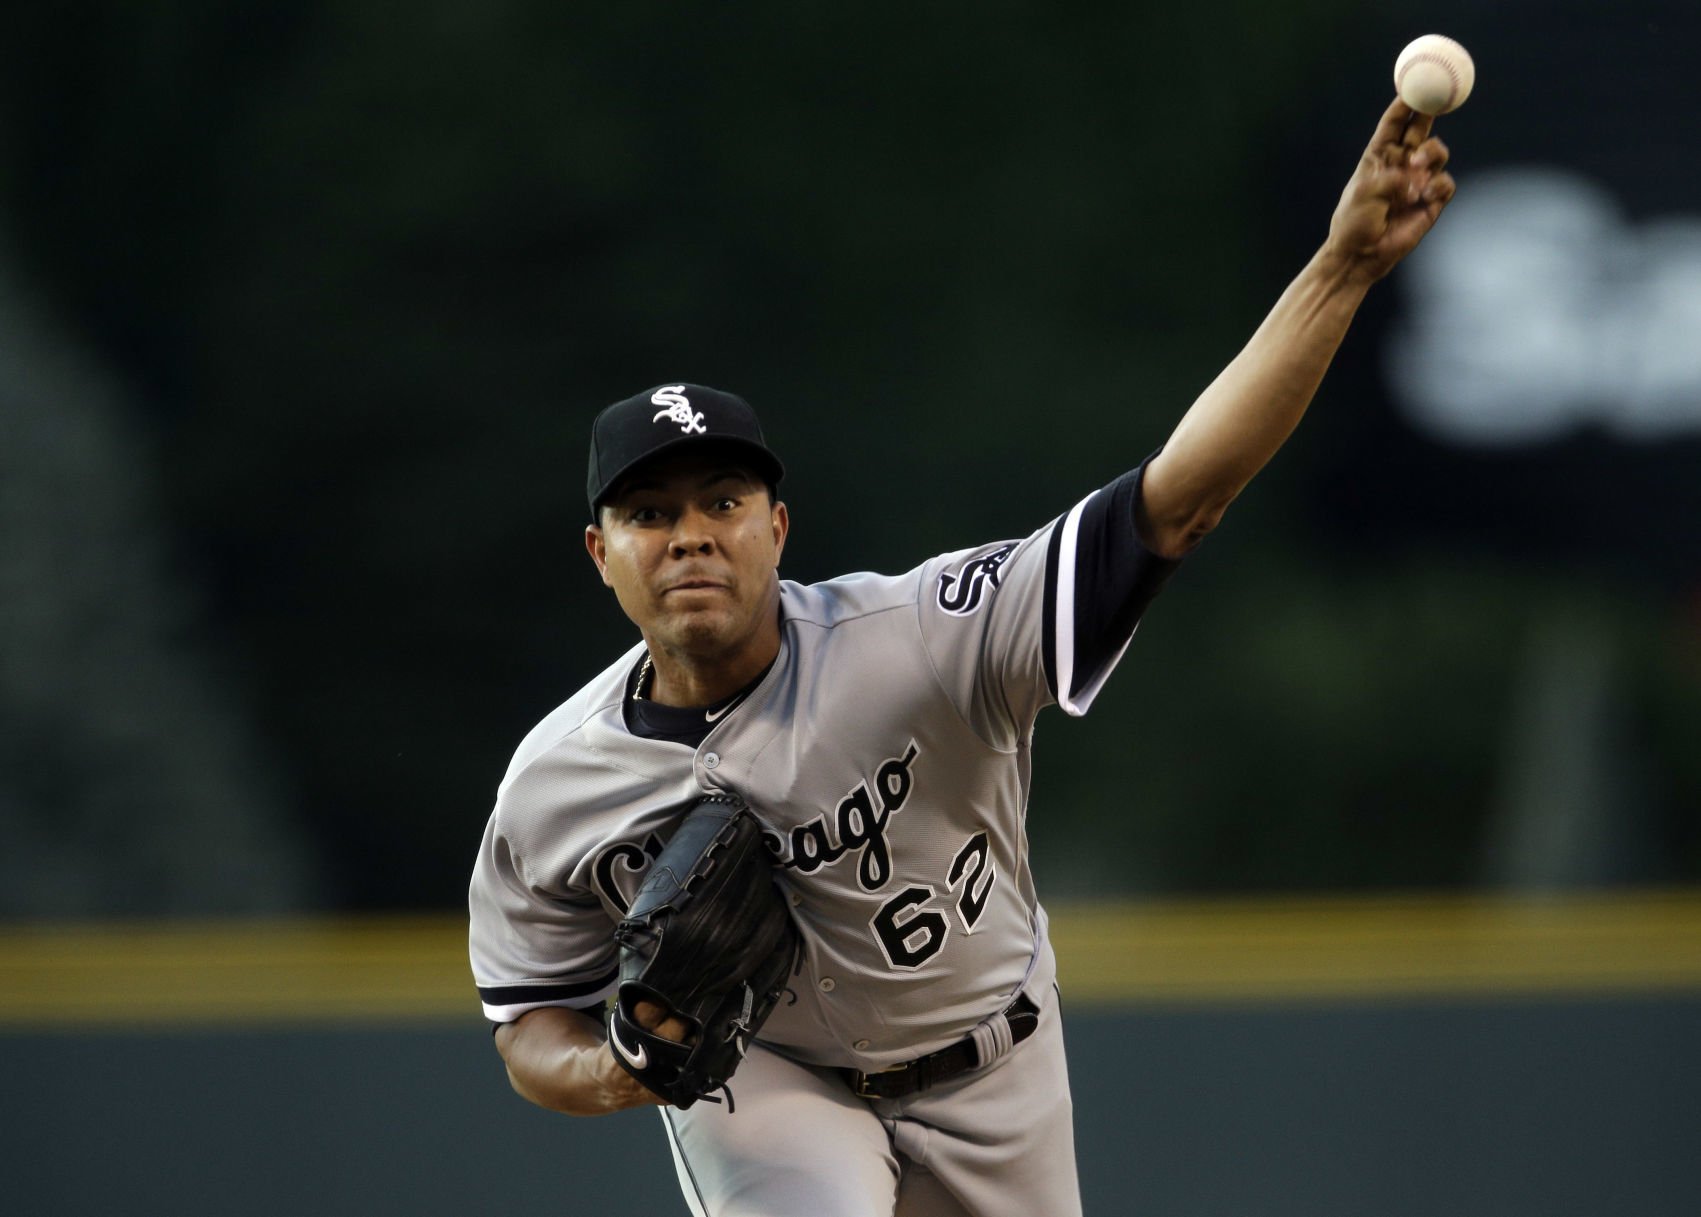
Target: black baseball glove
708, 939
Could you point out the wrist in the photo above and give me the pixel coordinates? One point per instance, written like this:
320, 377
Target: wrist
1331, 287
1351, 269
1337, 271
618, 1089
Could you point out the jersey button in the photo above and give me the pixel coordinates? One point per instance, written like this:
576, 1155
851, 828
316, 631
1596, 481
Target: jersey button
711, 759
860, 1045
828, 984
796, 900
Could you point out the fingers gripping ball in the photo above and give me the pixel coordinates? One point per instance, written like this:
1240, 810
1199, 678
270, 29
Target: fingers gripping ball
710, 941
1434, 74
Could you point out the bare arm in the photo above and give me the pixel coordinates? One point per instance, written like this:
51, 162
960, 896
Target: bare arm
1239, 421
559, 1059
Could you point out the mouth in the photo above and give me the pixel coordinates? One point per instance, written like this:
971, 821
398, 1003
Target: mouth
695, 585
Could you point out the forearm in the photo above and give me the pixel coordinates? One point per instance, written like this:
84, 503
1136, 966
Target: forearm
1236, 425
1393, 198
559, 1059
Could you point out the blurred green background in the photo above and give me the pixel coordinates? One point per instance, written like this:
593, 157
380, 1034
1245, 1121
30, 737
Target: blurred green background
308, 307
305, 310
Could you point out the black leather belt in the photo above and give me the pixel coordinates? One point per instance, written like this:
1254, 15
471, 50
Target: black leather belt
914, 1076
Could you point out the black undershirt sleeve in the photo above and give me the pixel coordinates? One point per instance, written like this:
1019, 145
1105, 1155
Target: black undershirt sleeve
1116, 576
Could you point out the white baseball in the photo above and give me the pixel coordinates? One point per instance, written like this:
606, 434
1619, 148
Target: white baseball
1434, 74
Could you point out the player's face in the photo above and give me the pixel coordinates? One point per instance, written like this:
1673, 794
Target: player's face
691, 549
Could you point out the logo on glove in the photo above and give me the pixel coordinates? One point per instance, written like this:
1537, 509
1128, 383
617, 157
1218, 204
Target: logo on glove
639, 1059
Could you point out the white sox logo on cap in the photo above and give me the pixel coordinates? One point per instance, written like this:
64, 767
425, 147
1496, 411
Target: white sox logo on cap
676, 407
665, 418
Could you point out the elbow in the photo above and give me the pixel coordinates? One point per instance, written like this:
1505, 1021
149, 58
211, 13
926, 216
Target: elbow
1173, 518
1180, 505
538, 1095
527, 1092
1175, 539
513, 1063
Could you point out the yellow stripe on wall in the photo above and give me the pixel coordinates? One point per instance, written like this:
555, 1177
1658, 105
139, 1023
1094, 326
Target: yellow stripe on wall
1313, 949
236, 972
1386, 947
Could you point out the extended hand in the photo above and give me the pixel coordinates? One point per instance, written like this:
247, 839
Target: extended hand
1394, 197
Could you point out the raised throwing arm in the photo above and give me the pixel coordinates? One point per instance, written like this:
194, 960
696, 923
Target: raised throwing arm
1235, 426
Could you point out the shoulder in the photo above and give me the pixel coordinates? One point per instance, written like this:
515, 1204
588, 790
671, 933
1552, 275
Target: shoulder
955, 582
554, 738
834, 602
573, 777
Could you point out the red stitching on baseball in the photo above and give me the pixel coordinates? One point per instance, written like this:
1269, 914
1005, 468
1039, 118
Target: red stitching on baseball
1438, 61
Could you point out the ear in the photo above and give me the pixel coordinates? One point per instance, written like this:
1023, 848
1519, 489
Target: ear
597, 546
782, 526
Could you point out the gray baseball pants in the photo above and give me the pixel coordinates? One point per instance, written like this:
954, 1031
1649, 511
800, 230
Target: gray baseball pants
996, 1142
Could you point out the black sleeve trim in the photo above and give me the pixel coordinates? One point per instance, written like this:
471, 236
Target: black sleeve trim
1116, 576
518, 995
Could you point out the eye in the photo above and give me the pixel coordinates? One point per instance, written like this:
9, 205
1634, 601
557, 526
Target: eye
643, 515
726, 503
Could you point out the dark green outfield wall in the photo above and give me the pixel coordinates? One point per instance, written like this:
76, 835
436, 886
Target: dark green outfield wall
1500, 1109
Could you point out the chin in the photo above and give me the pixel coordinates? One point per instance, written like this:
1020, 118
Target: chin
706, 633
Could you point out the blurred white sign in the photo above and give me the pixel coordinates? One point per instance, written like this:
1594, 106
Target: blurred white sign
1536, 308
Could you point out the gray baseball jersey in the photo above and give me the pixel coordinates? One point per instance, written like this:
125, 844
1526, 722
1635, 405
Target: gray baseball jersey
887, 753
886, 750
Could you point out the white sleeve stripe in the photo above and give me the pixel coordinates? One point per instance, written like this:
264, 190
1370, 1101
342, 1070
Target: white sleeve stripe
1073, 703
1064, 632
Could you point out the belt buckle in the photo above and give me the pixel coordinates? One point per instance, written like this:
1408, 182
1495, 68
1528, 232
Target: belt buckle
861, 1090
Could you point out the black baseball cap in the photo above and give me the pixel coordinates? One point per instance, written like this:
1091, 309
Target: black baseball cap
666, 419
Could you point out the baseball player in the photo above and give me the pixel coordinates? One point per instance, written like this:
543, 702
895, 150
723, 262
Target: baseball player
879, 726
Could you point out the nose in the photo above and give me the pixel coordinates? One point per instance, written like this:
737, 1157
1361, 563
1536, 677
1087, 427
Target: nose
691, 534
